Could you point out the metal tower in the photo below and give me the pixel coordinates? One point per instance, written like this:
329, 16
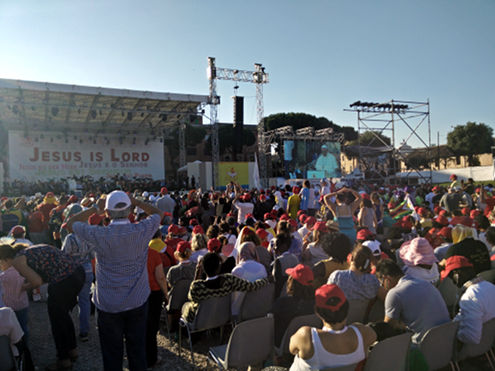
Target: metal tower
258, 77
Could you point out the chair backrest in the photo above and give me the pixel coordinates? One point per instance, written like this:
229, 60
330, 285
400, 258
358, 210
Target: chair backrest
449, 291
7, 362
311, 320
357, 310
389, 354
438, 344
487, 339
250, 343
257, 303
178, 294
212, 313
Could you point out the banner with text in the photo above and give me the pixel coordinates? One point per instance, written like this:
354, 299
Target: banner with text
45, 156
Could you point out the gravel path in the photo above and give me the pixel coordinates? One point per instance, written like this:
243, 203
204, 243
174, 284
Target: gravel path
43, 348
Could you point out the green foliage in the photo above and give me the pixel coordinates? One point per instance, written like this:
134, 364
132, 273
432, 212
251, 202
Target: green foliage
302, 120
369, 138
470, 139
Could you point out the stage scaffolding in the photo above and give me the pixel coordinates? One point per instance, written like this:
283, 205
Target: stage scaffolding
388, 117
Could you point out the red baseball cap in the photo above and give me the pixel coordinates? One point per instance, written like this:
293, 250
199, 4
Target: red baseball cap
320, 226
193, 221
474, 213
261, 233
173, 228
465, 210
267, 216
164, 190
198, 229
455, 262
445, 232
214, 245
302, 274
364, 234
285, 217
310, 221
441, 220
326, 294
299, 212
182, 246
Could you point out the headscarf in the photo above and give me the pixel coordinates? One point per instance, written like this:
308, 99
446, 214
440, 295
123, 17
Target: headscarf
248, 251
460, 232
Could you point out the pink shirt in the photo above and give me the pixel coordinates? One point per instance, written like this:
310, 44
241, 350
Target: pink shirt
13, 295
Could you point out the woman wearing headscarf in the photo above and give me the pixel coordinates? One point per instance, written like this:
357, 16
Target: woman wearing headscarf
419, 260
249, 269
466, 245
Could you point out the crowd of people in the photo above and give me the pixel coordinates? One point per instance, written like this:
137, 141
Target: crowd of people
323, 246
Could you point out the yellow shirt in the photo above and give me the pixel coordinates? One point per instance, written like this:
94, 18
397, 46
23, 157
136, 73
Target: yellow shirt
156, 244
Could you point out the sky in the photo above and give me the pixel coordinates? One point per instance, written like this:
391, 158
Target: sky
321, 55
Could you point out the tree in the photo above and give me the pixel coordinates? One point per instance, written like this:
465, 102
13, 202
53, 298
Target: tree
369, 138
302, 120
470, 140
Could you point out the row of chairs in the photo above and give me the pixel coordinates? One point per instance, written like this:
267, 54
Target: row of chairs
251, 343
216, 312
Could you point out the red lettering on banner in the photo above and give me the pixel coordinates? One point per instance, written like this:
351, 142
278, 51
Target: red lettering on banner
129, 156
56, 156
35, 155
112, 155
45, 156
99, 156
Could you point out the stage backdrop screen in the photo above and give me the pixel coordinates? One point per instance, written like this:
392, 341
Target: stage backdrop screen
237, 172
311, 159
42, 156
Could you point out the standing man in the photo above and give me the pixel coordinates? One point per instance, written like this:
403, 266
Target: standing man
122, 287
165, 203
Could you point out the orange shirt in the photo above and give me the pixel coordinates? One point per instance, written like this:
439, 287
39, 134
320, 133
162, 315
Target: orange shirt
154, 260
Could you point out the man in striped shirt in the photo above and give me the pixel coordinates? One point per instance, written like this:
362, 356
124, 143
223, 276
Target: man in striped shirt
122, 287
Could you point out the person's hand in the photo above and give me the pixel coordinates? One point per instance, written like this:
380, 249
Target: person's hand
100, 204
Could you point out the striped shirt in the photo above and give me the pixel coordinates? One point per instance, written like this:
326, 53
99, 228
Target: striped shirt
121, 262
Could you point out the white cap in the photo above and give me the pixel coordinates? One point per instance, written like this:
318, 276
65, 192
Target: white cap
117, 201
374, 246
145, 194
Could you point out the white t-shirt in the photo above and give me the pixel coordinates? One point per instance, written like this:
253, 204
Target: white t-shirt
249, 270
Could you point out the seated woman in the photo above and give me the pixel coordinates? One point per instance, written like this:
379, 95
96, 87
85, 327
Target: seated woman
314, 251
249, 269
336, 344
300, 299
199, 245
215, 285
338, 247
357, 282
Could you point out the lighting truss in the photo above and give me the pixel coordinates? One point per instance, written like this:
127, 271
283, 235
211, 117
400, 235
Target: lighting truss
258, 77
380, 117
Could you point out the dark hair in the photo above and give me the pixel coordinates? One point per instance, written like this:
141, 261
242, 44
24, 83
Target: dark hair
282, 243
366, 203
250, 236
362, 258
300, 291
211, 264
337, 246
213, 231
490, 235
7, 252
483, 222
330, 316
387, 267
157, 234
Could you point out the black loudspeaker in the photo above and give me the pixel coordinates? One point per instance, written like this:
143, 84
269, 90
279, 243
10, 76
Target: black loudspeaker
238, 124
